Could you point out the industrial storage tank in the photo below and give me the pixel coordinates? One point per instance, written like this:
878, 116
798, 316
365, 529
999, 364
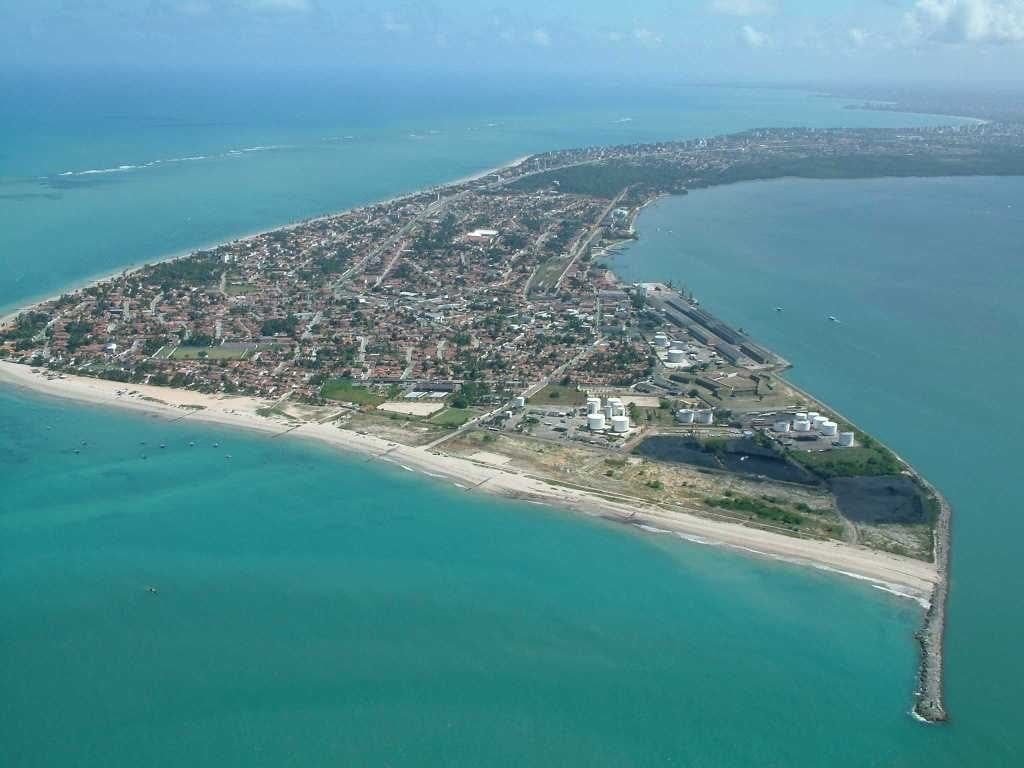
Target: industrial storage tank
829, 429
661, 339
812, 415
609, 411
593, 404
781, 427
846, 439
801, 425
595, 422
677, 356
620, 424
684, 416
800, 416
818, 421
706, 417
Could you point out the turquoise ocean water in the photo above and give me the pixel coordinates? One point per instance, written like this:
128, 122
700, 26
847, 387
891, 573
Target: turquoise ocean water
318, 610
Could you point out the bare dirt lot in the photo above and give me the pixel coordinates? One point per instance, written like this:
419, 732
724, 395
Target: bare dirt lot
412, 408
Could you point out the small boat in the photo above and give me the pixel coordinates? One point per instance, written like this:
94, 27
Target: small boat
778, 309
152, 590
833, 318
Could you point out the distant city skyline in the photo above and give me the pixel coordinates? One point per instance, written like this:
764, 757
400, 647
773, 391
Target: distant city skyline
745, 40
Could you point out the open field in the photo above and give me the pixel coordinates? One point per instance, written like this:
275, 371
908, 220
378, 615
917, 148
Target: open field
411, 407
207, 353
453, 417
558, 394
344, 390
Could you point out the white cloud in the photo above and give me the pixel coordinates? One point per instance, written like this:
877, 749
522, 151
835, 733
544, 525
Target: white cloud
753, 37
647, 38
541, 37
967, 21
743, 7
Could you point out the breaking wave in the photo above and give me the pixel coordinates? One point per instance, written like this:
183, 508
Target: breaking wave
127, 168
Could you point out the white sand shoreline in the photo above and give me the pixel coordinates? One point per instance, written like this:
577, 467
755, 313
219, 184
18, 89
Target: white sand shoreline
898, 575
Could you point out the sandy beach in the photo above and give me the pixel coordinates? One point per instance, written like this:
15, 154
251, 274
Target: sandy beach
901, 575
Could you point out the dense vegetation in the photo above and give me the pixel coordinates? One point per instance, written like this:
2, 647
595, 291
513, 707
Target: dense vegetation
282, 325
992, 161
867, 460
608, 179
201, 268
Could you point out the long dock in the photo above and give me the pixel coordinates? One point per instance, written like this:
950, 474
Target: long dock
930, 704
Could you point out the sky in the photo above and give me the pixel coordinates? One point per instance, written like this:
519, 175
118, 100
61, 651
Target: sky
958, 41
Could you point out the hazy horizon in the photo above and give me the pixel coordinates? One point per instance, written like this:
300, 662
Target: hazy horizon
909, 42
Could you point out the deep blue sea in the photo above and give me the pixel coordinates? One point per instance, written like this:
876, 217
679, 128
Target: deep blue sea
318, 610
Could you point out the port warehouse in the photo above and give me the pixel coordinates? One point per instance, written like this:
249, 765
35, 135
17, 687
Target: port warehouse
712, 332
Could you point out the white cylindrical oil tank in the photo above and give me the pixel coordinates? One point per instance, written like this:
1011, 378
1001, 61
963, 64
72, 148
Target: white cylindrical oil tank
620, 424
818, 421
595, 422
661, 339
829, 429
801, 425
812, 415
593, 404
684, 416
847, 439
800, 416
609, 411
706, 417
519, 402
676, 356
781, 427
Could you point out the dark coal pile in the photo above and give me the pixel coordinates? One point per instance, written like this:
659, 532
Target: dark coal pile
884, 499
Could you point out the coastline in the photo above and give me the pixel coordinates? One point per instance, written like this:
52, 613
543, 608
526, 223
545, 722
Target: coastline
26, 304
900, 575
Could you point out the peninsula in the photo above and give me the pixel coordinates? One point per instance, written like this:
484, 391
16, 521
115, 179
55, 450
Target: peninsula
471, 332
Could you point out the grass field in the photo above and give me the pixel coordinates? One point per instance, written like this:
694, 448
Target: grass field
239, 289
207, 353
345, 390
862, 461
556, 394
452, 417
